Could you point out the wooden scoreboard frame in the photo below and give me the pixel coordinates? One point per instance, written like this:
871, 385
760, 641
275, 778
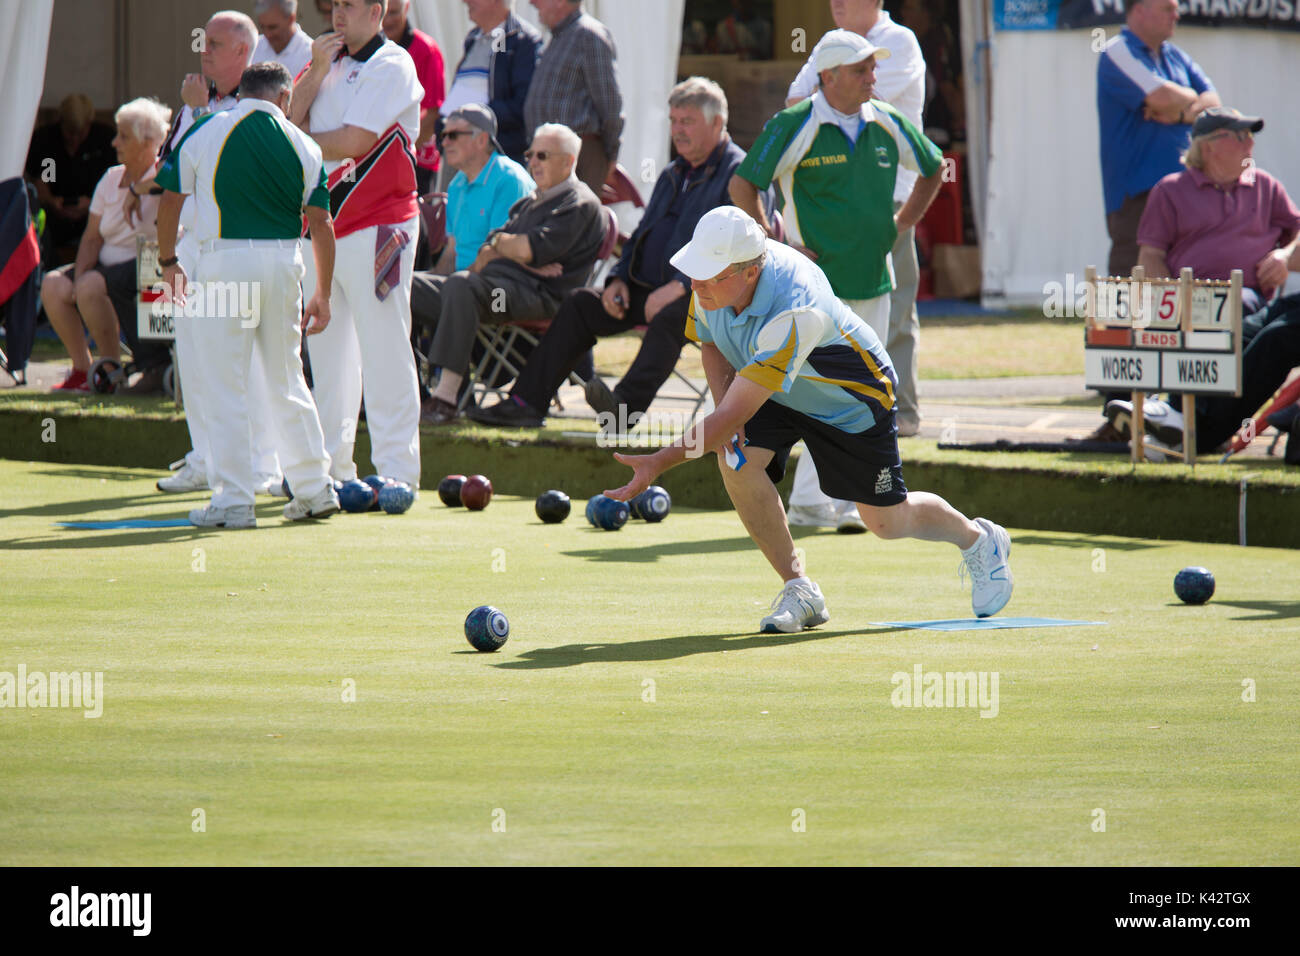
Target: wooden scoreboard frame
1176, 325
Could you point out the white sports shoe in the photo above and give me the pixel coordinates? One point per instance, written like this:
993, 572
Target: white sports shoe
813, 516
235, 516
847, 519
1158, 418
988, 563
797, 606
322, 506
184, 478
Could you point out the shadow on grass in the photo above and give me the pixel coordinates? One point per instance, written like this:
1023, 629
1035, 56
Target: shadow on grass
67, 510
641, 554
268, 514
1088, 541
1269, 610
670, 648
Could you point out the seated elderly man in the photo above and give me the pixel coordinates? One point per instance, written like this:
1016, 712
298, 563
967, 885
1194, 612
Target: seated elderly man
1223, 213
485, 186
480, 196
99, 288
644, 287
545, 250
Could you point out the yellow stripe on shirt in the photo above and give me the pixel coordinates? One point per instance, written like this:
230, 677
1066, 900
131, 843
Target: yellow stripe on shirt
690, 322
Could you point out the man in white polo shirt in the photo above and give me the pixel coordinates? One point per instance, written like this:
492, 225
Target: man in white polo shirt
360, 101
282, 39
253, 176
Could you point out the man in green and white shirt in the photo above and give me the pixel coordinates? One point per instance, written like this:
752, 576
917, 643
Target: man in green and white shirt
836, 156
253, 176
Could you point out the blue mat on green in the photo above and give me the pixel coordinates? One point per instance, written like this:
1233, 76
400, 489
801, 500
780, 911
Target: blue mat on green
985, 623
131, 523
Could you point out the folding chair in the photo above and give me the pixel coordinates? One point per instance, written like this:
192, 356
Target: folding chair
507, 345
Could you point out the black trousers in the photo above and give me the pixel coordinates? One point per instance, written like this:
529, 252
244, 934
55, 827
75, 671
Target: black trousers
574, 330
1273, 351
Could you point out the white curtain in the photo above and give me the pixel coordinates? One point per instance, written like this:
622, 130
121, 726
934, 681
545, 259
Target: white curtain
24, 37
647, 47
1045, 215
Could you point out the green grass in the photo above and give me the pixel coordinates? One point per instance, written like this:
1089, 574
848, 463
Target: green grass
951, 347
223, 693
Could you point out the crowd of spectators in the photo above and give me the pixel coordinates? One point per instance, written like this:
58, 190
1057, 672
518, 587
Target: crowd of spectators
529, 130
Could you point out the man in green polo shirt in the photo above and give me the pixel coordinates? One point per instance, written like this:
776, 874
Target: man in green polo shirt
836, 157
254, 177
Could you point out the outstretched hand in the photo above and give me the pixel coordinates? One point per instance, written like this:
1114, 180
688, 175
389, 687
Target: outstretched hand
644, 472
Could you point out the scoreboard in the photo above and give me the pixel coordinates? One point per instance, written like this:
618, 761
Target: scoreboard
1179, 335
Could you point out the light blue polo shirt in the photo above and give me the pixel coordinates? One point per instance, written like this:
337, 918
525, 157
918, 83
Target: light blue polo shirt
1137, 153
799, 340
475, 208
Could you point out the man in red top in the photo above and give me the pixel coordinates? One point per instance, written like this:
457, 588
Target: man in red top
360, 101
429, 68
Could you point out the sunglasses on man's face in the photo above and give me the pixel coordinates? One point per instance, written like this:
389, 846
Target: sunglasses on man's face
1241, 135
540, 155
452, 135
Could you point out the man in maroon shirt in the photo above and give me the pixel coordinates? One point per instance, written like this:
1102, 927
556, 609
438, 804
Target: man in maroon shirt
429, 68
1218, 214
1221, 212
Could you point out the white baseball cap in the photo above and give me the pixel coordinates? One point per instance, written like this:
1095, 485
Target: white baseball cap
723, 236
841, 47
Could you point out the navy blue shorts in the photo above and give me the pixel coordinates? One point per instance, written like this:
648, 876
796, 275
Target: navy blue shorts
863, 467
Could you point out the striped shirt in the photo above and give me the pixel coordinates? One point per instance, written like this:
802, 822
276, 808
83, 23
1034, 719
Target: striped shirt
250, 171
576, 84
797, 339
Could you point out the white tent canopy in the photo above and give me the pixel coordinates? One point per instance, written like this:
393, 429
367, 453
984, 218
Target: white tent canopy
647, 47
1040, 212
24, 37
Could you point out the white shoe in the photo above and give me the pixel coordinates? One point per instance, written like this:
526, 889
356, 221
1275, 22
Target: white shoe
322, 506
235, 516
847, 519
1158, 418
1154, 450
988, 563
797, 606
184, 478
813, 516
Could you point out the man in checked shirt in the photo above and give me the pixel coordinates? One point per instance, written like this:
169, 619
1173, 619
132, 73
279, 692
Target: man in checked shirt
575, 85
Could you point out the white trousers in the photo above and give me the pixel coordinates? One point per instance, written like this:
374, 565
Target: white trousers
226, 343
807, 490
195, 391
367, 341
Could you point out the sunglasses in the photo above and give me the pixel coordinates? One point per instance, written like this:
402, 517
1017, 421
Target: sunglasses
540, 155
1241, 135
454, 134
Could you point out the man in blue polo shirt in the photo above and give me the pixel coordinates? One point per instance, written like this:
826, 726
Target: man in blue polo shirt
1148, 95
487, 183
787, 360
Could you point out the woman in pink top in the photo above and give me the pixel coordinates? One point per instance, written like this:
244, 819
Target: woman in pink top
99, 288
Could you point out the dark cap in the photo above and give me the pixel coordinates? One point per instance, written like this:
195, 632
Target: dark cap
480, 116
1220, 117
